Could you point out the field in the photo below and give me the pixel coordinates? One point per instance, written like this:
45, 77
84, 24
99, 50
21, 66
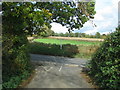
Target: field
77, 38
63, 47
63, 41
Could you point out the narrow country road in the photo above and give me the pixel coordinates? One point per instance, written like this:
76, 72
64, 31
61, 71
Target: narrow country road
58, 72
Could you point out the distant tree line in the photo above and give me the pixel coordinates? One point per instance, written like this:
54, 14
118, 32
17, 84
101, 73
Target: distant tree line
82, 35
46, 32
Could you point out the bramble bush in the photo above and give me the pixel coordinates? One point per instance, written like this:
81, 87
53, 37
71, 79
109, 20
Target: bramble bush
105, 63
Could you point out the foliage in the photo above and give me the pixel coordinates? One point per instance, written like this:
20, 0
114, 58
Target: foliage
69, 14
97, 35
30, 17
105, 64
45, 32
22, 18
15, 60
68, 49
53, 49
15, 80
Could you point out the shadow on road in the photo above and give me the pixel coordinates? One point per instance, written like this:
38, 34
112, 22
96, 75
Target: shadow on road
57, 59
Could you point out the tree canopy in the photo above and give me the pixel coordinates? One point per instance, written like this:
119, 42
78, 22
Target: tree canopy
28, 17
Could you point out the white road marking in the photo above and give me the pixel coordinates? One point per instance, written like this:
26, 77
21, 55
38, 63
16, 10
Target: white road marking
72, 65
47, 69
60, 68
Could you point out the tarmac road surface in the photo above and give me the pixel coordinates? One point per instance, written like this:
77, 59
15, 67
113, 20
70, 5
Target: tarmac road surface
58, 72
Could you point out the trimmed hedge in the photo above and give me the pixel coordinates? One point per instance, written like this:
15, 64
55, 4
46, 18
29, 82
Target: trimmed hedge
105, 63
53, 49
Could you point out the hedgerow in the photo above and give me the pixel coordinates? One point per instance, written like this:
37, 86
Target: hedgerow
16, 62
105, 63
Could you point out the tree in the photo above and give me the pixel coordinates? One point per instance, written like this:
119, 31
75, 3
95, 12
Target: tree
44, 31
67, 34
56, 34
69, 14
18, 20
82, 35
97, 35
72, 34
36, 14
61, 34
76, 34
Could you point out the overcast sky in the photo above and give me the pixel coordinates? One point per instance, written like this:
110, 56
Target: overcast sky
106, 19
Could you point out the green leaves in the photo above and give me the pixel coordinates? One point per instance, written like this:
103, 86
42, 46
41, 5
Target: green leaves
66, 12
105, 64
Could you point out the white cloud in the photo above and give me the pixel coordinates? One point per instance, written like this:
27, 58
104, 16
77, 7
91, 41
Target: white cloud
106, 32
106, 19
107, 24
99, 17
93, 31
58, 28
115, 3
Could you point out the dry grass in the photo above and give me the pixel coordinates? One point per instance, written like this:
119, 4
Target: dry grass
30, 38
76, 38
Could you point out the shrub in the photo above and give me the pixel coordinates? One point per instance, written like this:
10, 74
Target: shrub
15, 63
53, 49
68, 50
105, 63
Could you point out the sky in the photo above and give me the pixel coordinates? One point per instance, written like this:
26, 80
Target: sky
119, 13
106, 19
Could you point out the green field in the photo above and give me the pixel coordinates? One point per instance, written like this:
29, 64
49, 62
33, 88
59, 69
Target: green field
70, 48
59, 41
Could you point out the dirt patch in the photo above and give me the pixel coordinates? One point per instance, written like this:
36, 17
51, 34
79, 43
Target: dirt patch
89, 80
76, 38
30, 38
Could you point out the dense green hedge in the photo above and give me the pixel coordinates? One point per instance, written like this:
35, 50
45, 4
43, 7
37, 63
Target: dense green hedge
67, 50
53, 49
105, 64
15, 60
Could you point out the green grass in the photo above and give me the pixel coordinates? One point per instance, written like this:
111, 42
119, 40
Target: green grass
72, 42
70, 48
